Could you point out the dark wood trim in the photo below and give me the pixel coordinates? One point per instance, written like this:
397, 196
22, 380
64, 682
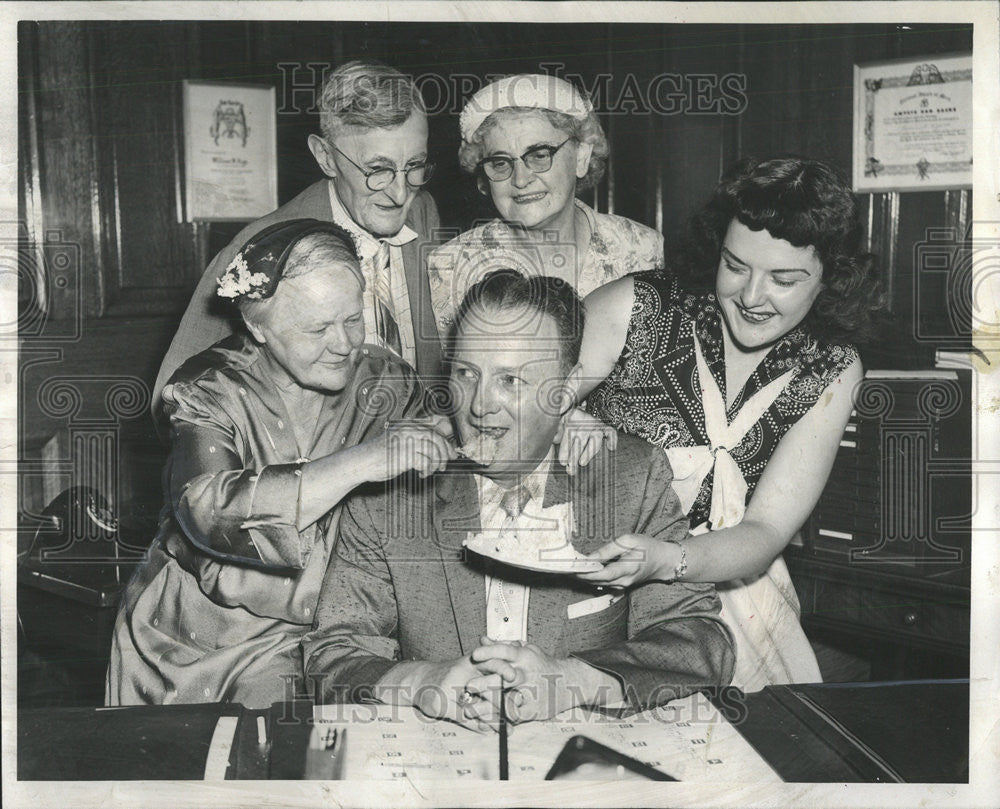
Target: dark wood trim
950, 586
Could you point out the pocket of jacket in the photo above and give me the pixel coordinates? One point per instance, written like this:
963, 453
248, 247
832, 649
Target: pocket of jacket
591, 605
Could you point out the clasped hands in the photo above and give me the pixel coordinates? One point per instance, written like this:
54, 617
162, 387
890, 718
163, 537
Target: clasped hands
533, 684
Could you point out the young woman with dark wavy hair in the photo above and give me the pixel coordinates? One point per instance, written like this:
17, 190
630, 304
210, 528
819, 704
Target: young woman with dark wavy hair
740, 360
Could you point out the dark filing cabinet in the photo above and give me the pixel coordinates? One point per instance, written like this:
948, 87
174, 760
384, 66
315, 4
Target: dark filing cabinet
884, 567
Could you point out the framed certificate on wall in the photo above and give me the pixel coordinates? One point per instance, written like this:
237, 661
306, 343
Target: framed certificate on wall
230, 151
913, 124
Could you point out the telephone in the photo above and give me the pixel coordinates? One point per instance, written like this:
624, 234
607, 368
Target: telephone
75, 551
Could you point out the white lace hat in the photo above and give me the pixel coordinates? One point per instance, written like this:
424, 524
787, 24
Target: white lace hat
533, 90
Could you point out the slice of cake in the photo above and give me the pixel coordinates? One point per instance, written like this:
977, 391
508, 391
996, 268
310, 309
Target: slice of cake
481, 449
533, 549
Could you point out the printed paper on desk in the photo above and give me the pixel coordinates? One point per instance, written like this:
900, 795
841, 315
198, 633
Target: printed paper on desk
688, 739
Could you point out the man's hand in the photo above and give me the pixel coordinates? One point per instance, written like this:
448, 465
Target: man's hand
581, 436
540, 686
423, 445
441, 690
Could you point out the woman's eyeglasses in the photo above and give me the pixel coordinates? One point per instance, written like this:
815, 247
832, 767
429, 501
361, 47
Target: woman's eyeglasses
377, 179
498, 168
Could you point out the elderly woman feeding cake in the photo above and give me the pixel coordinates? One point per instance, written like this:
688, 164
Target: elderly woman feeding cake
270, 429
533, 142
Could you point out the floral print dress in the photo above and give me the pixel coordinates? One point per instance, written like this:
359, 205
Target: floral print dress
618, 246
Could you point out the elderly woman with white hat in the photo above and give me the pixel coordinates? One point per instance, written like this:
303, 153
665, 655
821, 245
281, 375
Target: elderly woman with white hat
533, 142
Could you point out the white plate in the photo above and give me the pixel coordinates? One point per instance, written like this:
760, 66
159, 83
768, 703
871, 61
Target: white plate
577, 564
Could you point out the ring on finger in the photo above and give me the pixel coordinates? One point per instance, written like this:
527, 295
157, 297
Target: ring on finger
465, 698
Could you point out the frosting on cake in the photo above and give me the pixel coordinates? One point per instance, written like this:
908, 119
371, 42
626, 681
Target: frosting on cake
481, 448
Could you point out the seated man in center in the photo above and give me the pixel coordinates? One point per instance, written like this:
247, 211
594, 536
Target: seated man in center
408, 615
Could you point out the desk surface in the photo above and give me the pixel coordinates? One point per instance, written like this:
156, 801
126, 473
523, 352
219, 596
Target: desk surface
908, 732
914, 732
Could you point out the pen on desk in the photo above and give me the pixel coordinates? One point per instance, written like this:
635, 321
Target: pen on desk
504, 768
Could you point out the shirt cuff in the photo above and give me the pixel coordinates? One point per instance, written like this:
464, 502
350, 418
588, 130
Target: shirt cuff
271, 523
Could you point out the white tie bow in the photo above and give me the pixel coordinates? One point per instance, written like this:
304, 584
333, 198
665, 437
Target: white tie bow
691, 465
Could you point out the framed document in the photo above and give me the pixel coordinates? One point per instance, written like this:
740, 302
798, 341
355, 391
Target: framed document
230, 151
913, 124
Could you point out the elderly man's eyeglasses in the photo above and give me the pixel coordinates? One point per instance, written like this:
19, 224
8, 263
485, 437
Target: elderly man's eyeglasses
498, 168
416, 175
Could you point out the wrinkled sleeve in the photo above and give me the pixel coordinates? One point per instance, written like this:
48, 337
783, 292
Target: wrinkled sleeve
353, 642
677, 642
225, 508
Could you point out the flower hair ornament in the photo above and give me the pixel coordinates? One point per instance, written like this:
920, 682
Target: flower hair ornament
257, 268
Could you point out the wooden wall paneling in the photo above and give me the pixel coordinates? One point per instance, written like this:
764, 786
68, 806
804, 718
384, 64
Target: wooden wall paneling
451, 63
825, 94
801, 88
221, 51
633, 54
770, 62
460, 50
958, 210
957, 317
137, 121
697, 141
883, 241
297, 67
82, 173
69, 186
118, 347
883, 235
732, 133
32, 287
776, 63
919, 212
930, 38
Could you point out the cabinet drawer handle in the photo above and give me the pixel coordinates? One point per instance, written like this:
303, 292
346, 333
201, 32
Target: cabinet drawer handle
910, 618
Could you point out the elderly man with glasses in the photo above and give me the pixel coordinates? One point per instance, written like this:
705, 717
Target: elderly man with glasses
373, 151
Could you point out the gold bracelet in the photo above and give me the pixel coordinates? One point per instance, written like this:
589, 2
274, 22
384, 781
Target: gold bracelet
681, 568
